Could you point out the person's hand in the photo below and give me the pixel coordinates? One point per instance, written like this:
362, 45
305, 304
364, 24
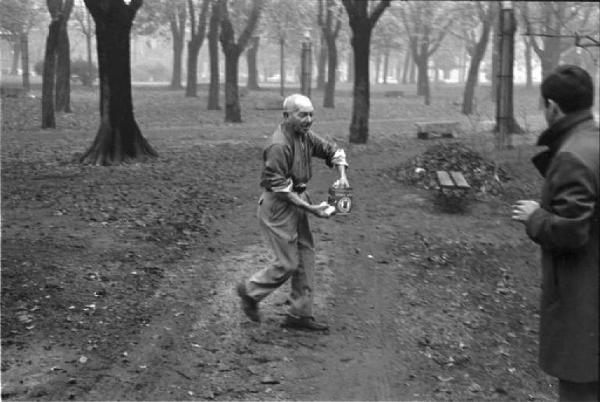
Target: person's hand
343, 182
522, 210
322, 210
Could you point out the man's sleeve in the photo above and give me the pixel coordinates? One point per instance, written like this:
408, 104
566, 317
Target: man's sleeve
566, 226
329, 151
275, 175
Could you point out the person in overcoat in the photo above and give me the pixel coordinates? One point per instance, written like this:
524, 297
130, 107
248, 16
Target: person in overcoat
565, 224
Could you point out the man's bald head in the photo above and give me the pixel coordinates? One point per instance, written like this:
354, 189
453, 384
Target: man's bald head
297, 102
298, 113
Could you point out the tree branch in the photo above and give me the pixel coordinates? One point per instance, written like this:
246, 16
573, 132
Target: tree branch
379, 9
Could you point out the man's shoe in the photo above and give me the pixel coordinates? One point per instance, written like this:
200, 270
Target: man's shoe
304, 322
249, 305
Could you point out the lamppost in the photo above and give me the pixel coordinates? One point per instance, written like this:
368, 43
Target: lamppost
306, 64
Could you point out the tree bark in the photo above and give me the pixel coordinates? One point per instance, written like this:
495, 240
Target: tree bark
406, 68
233, 50
328, 98
528, 67
213, 48
477, 55
251, 57
359, 126
194, 44
24, 41
119, 138
177, 24
63, 70
423, 78
49, 75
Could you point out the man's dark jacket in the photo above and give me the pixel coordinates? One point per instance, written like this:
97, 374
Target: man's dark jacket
566, 228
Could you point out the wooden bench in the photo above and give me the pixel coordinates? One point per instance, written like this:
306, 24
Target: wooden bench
12, 92
394, 94
439, 129
452, 180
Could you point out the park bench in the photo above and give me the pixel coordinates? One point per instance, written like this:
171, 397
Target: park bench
11, 92
394, 94
452, 180
437, 129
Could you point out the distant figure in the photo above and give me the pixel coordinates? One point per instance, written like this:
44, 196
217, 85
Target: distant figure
283, 213
565, 226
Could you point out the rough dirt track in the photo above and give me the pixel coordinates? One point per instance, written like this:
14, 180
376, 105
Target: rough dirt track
422, 305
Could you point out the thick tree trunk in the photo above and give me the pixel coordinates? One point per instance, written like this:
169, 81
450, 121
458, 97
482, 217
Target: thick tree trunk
16, 56
322, 62
251, 57
359, 126
24, 40
48, 79
413, 72
423, 78
63, 71
119, 138
328, 98
192, 68
233, 111
213, 49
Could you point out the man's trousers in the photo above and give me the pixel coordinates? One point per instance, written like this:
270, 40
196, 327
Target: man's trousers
286, 229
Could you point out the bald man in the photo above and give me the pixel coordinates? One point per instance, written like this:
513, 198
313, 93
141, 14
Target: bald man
283, 213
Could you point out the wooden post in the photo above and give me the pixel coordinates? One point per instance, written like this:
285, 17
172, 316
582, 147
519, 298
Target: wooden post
306, 66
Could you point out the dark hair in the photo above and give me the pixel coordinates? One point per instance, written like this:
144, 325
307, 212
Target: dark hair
571, 87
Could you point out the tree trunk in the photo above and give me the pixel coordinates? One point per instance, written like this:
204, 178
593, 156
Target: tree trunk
281, 66
350, 66
322, 63
16, 55
119, 138
251, 57
328, 98
495, 56
49, 75
359, 126
213, 49
177, 55
413, 72
233, 111
386, 65
377, 68
472, 76
192, 68
63, 71
528, 68
88, 45
407, 63
24, 40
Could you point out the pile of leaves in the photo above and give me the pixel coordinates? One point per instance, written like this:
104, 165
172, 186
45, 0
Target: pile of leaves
484, 176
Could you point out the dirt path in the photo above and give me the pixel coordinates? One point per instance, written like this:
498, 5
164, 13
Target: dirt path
422, 305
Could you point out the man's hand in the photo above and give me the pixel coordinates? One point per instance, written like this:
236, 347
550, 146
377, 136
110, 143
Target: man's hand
321, 210
522, 210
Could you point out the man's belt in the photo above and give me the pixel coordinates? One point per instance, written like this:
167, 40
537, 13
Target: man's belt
299, 188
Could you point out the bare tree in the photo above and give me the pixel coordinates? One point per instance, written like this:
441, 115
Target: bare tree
427, 24
213, 49
59, 13
119, 138
362, 22
233, 50
177, 16
251, 58
195, 43
84, 23
63, 63
330, 28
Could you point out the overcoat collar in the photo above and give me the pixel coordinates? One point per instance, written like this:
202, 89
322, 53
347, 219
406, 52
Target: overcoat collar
554, 135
